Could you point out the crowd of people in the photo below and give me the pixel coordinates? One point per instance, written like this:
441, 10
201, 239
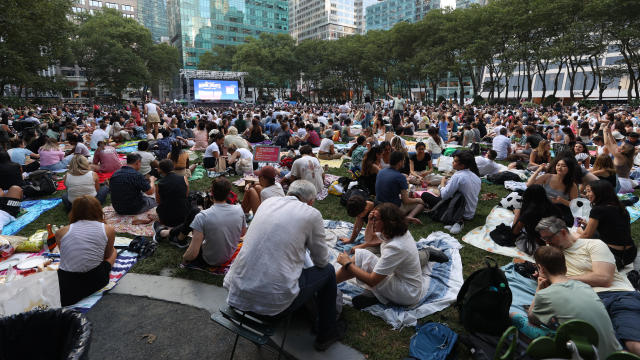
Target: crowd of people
284, 262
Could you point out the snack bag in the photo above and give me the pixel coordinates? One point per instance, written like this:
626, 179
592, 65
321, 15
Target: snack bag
35, 242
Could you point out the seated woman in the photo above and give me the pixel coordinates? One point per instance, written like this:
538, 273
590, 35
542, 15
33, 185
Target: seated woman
370, 169
609, 222
200, 137
51, 157
394, 277
311, 138
604, 170
241, 159
213, 151
435, 143
86, 251
582, 155
10, 200
80, 181
255, 132
327, 149
535, 206
180, 159
105, 159
561, 187
540, 155
255, 194
171, 192
23, 156
419, 164
397, 145
356, 152
345, 134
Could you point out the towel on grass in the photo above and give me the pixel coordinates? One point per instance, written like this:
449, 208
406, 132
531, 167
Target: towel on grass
480, 238
123, 264
335, 163
522, 289
123, 223
198, 173
443, 280
127, 147
633, 210
102, 177
215, 270
34, 209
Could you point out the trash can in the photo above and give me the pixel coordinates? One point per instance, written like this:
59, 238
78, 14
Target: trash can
47, 334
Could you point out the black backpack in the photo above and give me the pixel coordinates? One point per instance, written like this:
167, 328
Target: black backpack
484, 300
355, 190
39, 183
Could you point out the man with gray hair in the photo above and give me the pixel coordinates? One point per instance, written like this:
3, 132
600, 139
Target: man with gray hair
591, 261
268, 276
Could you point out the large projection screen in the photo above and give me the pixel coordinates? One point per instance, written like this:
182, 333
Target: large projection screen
215, 90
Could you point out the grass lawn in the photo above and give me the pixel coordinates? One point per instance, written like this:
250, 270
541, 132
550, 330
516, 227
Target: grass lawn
367, 333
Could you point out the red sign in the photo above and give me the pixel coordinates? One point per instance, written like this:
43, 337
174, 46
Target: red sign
266, 154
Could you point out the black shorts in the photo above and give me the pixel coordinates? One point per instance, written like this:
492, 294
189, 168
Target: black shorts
10, 205
209, 162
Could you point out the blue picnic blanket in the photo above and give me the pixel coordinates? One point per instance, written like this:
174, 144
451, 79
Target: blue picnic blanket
34, 209
522, 289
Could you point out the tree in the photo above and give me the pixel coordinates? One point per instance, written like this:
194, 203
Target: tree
113, 50
34, 34
162, 65
220, 58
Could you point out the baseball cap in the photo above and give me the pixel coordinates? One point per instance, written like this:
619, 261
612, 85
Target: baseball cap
267, 171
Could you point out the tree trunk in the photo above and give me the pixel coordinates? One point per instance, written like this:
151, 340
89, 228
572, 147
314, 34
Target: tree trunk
555, 81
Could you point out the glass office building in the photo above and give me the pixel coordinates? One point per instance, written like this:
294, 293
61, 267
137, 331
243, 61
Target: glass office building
153, 15
196, 26
385, 14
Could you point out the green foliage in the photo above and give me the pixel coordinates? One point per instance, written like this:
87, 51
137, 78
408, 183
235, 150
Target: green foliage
549, 100
589, 104
34, 34
220, 58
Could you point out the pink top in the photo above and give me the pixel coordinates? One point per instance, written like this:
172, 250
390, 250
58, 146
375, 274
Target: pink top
201, 139
108, 160
49, 157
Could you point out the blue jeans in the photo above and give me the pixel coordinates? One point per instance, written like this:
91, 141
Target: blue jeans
319, 283
62, 164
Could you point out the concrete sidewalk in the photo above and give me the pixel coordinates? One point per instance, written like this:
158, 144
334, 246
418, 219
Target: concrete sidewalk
193, 294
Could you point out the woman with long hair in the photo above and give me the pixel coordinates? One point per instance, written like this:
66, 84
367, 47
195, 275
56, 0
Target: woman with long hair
86, 251
80, 180
396, 145
582, 155
255, 132
609, 219
541, 154
179, 158
603, 169
201, 136
379, 127
51, 157
535, 206
435, 144
370, 169
560, 186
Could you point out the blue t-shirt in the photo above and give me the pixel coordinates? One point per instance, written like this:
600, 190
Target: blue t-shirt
19, 155
389, 183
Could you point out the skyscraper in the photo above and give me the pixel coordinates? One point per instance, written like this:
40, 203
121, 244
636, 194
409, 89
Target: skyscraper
323, 19
126, 7
153, 15
384, 14
196, 26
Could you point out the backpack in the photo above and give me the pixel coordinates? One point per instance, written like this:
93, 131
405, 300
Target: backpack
355, 190
448, 211
432, 341
484, 300
475, 149
39, 183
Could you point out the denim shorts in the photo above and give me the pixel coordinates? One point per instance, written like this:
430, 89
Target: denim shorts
624, 310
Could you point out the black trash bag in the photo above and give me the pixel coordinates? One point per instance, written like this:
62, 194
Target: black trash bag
501, 177
45, 334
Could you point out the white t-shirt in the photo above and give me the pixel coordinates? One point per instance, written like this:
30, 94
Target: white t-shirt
399, 261
501, 145
308, 168
271, 191
433, 147
145, 162
488, 167
325, 145
151, 108
245, 154
96, 136
212, 148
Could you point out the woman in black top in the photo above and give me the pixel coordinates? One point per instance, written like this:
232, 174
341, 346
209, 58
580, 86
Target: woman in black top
171, 191
10, 172
420, 163
609, 221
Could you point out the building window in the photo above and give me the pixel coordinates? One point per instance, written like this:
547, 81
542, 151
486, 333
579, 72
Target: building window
77, 10
129, 16
111, 5
127, 8
95, 3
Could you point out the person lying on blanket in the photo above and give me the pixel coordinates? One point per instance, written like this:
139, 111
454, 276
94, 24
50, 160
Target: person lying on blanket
591, 261
555, 300
86, 251
396, 276
217, 231
10, 201
268, 275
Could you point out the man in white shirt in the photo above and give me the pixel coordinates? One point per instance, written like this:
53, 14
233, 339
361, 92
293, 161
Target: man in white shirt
98, 135
268, 276
487, 165
306, 168
267, 187
327, 150
502, 144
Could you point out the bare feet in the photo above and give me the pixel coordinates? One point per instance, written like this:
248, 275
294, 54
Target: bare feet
345, 240
145, 220
413, 220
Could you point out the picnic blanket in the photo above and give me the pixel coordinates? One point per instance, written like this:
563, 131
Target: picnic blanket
634, 210
522, 289
328, 179
215, 270
127, 147
123, 264
123, 223
61, 186
336, 163
34, 209
198, 173
443, 280
102, 177
480, 238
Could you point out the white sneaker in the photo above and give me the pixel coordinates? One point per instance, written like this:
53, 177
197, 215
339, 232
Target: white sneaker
448, 227
456, 228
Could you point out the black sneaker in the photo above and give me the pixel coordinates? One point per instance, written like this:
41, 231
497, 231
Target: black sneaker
323, 343
360, 302
173, 240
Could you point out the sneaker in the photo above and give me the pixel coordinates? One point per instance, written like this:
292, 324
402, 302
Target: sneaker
173, 240
456, 228
323, 343
448, 227
360, 302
